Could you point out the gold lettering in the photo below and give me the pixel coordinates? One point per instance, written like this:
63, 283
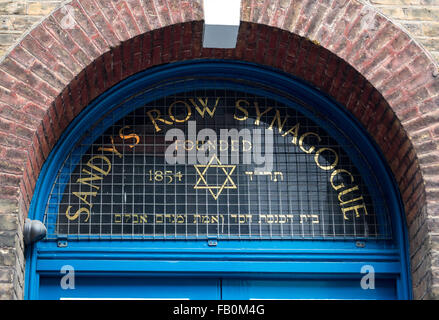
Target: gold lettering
270, 218
312, 148
295, 131
186, 145
205, 145
112, 149
248, 143
275, 218
354, 208
156, 118
249, 173
206, 219
237, 105
177, 142
180, 218
211, 145
259, 114
223, 145
206, 107
329, 167
278, 173
188, 109
315, 218
280, 124
91, 178
77, 213
233, 145
201, 145
333, 174
129, 136
344, 192
157, 220
85, 195
89, 163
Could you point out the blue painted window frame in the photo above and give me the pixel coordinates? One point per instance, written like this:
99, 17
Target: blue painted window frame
293, 258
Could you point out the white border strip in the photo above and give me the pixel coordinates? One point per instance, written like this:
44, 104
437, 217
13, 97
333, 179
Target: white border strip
221, 23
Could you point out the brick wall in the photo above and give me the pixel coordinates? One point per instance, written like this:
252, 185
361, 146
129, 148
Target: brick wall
18, 16
419, 17
36, 77
11, 251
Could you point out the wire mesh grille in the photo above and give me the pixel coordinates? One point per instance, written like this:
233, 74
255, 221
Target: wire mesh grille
118, 181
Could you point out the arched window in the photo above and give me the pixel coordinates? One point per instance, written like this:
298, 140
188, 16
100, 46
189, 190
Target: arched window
223, 163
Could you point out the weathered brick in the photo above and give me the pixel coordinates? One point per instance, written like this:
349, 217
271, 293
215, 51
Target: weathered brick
51, 59
6, 275
7, 240
13, 7
412, 13
430, 29
7, 291
8, 222
11, 165
8, 206
41, 8
113, 16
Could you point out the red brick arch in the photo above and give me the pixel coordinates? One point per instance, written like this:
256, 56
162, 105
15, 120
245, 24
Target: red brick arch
344, 48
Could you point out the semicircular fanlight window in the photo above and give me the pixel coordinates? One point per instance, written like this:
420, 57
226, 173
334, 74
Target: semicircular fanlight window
213, 163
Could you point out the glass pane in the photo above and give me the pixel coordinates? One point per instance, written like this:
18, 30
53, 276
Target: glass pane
213, 163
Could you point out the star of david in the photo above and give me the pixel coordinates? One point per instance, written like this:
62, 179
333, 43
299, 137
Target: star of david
215, 191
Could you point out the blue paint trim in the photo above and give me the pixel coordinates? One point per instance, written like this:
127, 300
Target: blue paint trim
200, 266
161, 81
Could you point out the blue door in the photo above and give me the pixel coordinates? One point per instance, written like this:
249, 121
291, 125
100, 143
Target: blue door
147, 288
286, 289
183, 288
117, 198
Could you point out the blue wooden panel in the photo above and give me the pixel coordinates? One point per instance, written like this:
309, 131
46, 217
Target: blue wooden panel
307, 289
214, 289
131, 288
218, 266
